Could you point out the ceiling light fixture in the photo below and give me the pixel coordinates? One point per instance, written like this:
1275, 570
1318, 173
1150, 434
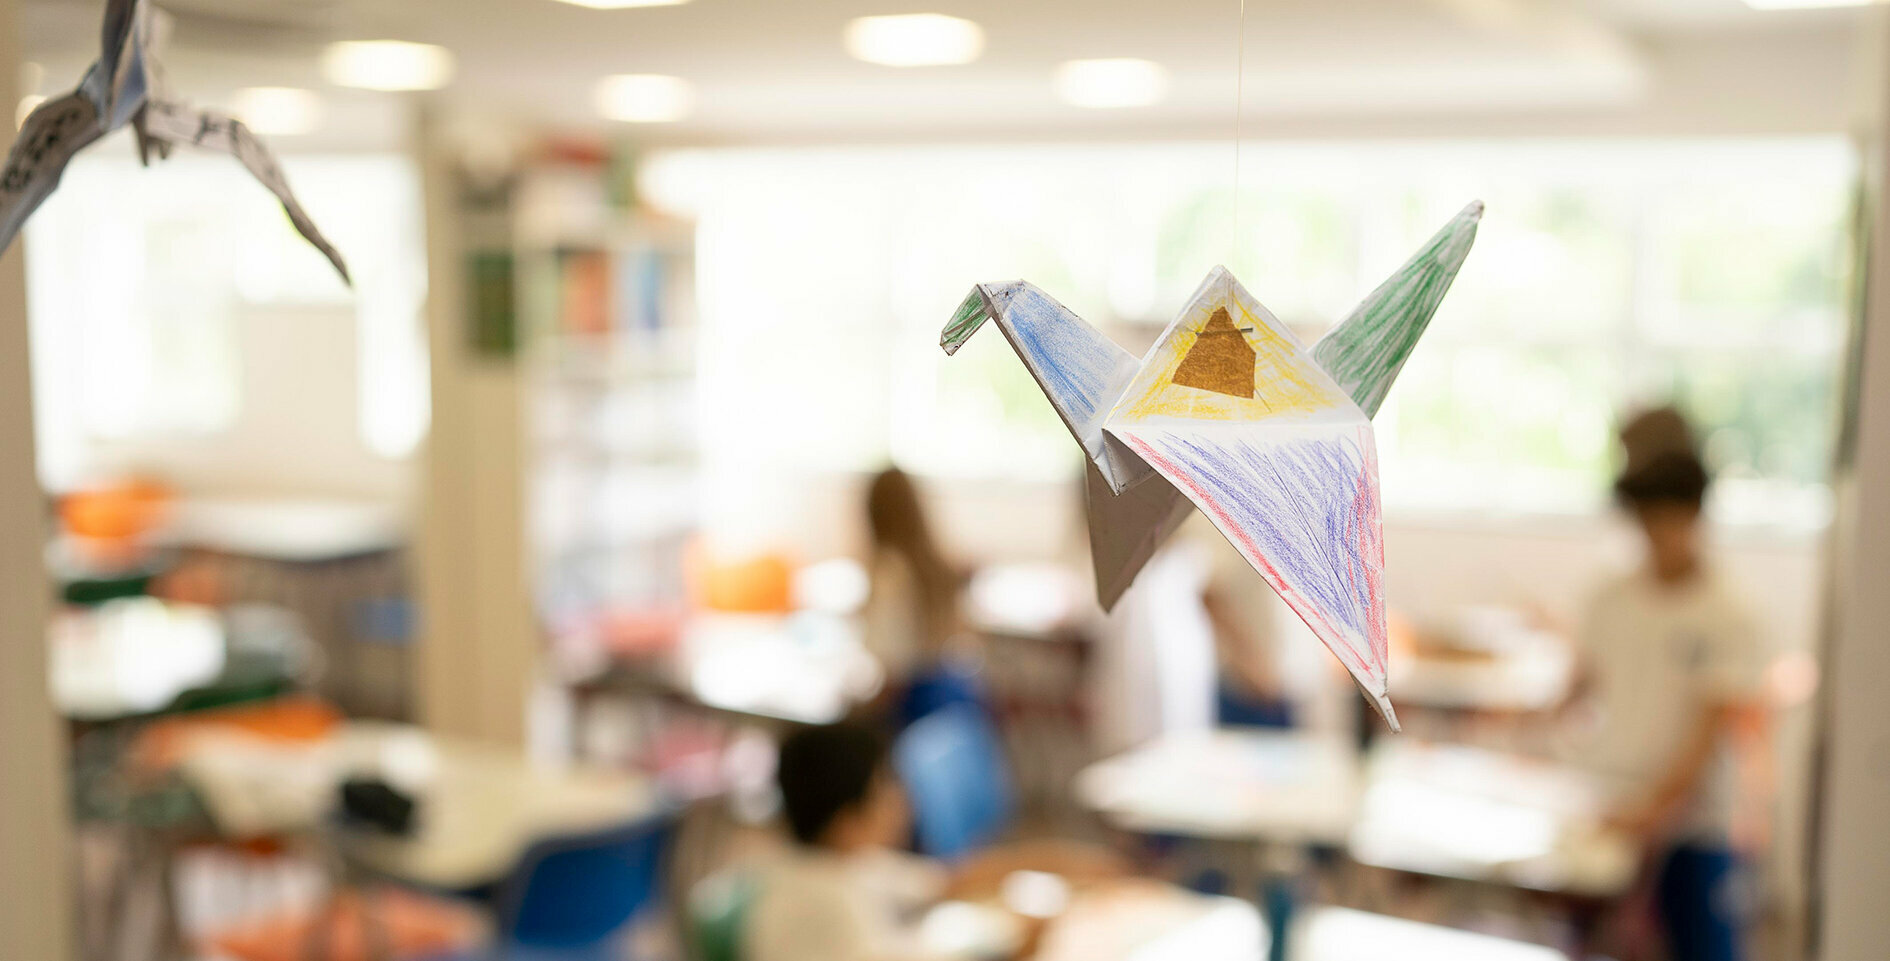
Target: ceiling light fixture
1112, 83
623, 4
914, 40
279, 111
644, 98
387, 65
1806, 4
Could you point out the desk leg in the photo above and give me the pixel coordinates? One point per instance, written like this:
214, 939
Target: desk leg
1279, 901
1275, 883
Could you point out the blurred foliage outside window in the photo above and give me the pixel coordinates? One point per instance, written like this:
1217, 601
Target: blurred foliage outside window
1607, 275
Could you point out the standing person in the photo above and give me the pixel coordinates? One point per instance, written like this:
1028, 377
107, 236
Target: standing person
912, 615
1674, 665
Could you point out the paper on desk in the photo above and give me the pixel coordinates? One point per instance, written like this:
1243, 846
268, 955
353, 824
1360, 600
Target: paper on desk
1228, 411
125, 85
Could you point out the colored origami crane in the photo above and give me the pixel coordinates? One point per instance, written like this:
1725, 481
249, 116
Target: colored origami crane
1229, 412
126, 85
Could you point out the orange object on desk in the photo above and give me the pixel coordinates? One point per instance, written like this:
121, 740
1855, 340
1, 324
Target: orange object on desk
406, 925
295, 718
108, 523
761, 584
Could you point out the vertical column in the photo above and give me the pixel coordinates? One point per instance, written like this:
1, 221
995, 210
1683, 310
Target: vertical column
478, 639
35, 883
1852, 871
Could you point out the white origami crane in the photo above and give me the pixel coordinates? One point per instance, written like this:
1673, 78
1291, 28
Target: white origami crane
125, 85
1230, 412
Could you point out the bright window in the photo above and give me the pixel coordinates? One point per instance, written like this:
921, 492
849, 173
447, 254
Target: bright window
139, 277
1607, 274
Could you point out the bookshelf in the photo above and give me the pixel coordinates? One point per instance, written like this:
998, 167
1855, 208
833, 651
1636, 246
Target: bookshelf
607, 296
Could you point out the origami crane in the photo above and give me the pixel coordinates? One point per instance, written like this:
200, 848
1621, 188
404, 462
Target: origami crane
1231, 414
125, 85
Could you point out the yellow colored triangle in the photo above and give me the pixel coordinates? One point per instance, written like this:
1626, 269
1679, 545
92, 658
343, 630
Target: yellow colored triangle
1286, 382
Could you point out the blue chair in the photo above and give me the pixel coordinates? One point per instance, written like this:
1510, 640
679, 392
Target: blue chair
571, 896
936, 687
955, 774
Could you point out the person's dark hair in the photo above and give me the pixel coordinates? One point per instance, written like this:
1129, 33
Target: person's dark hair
823, 771
1661, 462
897, 521
1675, 477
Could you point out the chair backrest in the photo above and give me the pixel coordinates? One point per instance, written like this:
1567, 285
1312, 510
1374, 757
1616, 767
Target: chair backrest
577, 891
954, 770
938, 687
718, 915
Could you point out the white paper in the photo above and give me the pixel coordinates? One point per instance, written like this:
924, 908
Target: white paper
1229, 412
125, 85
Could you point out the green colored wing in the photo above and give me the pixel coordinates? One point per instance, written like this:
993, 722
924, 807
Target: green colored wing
1366, 350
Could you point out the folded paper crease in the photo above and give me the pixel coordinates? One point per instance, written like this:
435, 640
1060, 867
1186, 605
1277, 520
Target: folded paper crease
126, 86
1230, 413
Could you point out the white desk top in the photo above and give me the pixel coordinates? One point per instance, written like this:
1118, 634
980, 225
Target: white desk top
807, 667
131, 655
1148, 921
1446, 811
1492, 659
479, 807
1341, 934
1229, 784
294, 530
1466, 813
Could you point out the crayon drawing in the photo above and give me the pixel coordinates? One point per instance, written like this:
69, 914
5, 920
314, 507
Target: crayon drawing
1230, 413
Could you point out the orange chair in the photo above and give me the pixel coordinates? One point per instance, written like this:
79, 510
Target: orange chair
382, 924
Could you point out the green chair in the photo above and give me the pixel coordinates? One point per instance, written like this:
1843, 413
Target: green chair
718, 915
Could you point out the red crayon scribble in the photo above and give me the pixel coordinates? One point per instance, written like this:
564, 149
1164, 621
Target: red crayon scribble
1305, 608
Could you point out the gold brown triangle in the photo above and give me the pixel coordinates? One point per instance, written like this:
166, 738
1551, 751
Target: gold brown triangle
1220, 360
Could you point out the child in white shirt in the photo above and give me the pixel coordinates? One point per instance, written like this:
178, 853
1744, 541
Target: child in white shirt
1674, 664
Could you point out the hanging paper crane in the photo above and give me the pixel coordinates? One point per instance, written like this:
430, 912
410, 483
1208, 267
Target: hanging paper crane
1230, 413
126, 85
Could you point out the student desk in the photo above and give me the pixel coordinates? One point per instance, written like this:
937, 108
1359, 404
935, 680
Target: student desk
1230, 784
1154, 920
1159, 921
1261, 797
805, 668
478, 807
1532, 677
1475, 815
1342, 934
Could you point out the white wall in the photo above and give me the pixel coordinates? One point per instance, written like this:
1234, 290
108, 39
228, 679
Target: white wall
1853, 848
35, 856
297, 431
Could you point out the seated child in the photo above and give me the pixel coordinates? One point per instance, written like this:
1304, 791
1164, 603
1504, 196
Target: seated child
846, 893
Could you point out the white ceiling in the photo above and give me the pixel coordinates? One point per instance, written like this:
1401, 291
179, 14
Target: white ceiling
776, 69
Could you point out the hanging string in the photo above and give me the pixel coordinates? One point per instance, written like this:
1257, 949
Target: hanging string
1240, 74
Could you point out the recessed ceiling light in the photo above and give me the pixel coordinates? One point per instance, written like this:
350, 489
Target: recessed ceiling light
1806, 4
644, 98
279, 111
624, 4
1105, 84
28, 104
915, 40
387, 65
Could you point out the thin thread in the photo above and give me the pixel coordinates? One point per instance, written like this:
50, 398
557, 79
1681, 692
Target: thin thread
1240, 74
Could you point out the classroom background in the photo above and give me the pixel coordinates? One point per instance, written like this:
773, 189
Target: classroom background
460, 611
